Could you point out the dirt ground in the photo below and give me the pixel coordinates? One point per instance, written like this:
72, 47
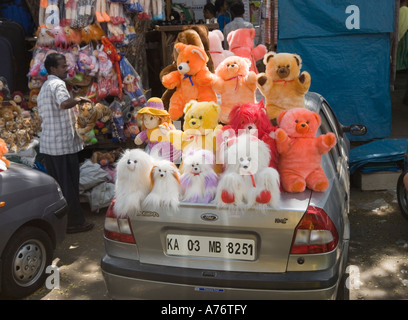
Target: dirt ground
78, 261
378, 246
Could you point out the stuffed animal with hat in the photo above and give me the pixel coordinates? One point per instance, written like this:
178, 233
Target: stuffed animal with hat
152, 116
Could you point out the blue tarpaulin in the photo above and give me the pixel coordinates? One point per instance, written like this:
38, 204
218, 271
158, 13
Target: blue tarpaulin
345, 46
380, 152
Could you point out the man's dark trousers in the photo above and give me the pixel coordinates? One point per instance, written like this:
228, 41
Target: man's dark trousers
65, 170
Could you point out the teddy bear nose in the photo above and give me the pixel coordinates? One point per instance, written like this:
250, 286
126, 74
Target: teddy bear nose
283, 72
302, 127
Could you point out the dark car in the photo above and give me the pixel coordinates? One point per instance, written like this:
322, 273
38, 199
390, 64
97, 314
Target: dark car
32, 222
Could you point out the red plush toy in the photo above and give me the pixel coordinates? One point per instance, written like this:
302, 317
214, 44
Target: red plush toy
252, 118
300, 150
114, 56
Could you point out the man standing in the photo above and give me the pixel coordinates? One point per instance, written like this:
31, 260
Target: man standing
59, 141
237, 10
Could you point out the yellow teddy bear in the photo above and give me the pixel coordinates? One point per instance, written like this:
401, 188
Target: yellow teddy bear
199, 129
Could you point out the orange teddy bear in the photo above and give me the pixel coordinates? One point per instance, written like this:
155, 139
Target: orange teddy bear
235, 83
300, 151
192, 79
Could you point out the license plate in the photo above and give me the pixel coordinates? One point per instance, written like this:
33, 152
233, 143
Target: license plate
211, 247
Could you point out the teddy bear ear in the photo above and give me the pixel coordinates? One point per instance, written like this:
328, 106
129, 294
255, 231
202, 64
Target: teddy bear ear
219, 34
216, 106
179, 46
280, 116
200, 53
318, 119
268, 56
298, 60
188, 105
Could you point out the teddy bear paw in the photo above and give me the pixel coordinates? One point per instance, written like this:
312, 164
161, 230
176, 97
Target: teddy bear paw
298, 186
227, 197
320, 186
262, 80
264, 197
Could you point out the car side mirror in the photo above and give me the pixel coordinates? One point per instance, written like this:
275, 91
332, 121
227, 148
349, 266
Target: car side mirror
355, 129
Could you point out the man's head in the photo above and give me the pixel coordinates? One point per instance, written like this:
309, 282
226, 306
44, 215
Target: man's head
56, 64
209, 11
237, 9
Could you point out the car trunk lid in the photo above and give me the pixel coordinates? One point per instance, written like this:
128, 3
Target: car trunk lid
203, 236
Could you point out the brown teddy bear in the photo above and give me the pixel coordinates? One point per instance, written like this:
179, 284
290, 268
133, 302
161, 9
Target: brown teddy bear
194, 35
282, 84
106, 161
105, 158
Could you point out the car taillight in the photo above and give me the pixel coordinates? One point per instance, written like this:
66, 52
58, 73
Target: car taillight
117, 228
315, 233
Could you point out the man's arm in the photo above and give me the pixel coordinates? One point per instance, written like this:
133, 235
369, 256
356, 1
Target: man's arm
69, 103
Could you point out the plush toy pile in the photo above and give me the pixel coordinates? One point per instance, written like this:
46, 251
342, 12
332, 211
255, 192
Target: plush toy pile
236, 153
18, 127
228, 149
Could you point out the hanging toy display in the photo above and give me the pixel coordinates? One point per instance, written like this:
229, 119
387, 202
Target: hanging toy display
92, 35
87, 61
110, 50
70, 12
131, 82
133, 6
101, 11
117, 122
108, 84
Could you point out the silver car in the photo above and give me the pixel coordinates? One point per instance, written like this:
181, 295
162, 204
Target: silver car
32, 222
297, 252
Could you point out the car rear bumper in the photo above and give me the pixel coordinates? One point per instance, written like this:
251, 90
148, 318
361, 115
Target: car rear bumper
129, 279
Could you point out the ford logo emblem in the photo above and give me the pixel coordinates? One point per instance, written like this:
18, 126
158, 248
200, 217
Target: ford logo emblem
209, 217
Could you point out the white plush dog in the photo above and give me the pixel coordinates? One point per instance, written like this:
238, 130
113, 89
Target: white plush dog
132, 181
248, 181
165, 193
199, 180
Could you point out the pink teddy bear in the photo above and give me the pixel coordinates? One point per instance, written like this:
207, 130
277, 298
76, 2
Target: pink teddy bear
218, 54
241, 43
